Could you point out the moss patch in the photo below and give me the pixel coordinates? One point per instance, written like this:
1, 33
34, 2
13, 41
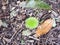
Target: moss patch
31, 22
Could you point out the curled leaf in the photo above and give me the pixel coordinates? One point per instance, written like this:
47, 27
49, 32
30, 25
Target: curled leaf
44, 28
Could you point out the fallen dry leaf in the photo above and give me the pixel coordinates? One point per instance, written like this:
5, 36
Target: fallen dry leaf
44, 28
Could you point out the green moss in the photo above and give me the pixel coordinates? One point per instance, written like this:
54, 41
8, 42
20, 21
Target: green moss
31, 22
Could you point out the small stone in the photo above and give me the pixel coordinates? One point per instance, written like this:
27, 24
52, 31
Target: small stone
49, 11
18, 2
59, 36
30, 40
18, 38
3, 7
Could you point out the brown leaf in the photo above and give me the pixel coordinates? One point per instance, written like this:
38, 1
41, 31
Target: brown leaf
44, 28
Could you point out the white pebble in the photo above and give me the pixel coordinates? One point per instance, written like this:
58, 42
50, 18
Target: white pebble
59, 36
3, 7
18, 2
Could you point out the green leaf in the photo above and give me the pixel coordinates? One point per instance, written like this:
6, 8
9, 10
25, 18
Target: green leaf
37, 4
43, 5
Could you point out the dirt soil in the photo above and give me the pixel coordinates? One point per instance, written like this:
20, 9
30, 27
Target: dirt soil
13, 17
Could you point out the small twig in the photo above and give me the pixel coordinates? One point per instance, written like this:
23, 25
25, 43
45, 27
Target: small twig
34, 38
9, 40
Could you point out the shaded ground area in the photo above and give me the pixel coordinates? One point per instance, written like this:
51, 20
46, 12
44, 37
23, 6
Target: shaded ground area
13, 17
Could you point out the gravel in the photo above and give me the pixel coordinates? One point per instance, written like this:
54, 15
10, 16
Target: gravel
12, 23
